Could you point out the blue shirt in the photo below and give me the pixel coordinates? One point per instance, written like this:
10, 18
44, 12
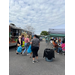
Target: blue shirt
61, 42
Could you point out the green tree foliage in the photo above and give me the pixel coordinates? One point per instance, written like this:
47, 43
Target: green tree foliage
44, 33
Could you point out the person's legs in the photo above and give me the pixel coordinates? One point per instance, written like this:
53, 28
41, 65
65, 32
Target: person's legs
37, 57
36, 53
63, 52
30, 54
54, 48
33, 59
25, 48
59, 49
33, 56
33, 50
16, 50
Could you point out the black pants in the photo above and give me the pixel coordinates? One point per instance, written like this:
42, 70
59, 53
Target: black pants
35, 51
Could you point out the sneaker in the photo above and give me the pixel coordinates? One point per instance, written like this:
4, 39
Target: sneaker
16, 53
36, 60
22, 53
30, 57
64, 53
33, 62
27, 54
57, 53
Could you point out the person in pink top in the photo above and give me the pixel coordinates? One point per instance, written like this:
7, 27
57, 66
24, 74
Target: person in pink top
26, 42
62, 48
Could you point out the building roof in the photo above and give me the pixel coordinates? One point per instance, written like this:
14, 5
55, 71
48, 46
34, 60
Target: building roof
14, 27
57, 31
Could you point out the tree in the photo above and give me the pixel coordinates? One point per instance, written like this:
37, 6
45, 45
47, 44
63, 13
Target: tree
44, 33
29, 28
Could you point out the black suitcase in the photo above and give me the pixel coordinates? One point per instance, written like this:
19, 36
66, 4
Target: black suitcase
49, 53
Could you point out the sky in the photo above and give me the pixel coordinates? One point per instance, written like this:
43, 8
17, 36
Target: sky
40, 14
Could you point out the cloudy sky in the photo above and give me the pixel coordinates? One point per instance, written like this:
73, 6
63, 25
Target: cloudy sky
40, 14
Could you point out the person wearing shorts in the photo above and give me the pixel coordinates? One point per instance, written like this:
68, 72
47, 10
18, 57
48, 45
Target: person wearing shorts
35, 43
26, 46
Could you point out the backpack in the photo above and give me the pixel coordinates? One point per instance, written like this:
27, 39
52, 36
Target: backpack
49, 53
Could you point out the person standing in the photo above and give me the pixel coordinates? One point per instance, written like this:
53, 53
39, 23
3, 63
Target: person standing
62, 47
26, 42
22, 37
46, 40
55, 45
19, 42
35, 43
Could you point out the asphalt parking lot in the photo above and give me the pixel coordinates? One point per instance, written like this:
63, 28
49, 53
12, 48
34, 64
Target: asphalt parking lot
22, 65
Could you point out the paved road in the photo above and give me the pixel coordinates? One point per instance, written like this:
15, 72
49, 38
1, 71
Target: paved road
22, 65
